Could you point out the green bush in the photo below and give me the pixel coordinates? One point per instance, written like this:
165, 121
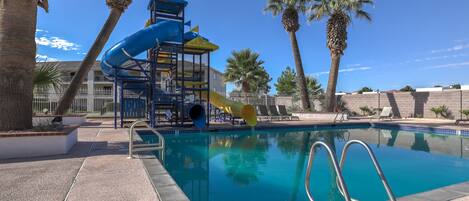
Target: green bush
465, 113
440, 111
366, 111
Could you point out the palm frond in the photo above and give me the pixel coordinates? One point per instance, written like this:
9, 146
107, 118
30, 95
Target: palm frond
43, 4
275, 7
325, 8
363, 14
47, 75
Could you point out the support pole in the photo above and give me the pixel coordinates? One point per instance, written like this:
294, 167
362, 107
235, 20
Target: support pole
122, 103
115, 99
208, 90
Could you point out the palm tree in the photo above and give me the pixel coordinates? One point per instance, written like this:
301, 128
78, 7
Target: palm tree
340, 15
117, 8
17, 61
246, 71
289, 10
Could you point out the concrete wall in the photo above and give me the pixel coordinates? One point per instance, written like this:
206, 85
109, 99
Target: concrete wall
19, 147
411, 104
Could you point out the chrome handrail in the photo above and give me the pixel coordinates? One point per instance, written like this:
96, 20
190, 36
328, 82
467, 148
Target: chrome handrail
337, 170
375, 163
146, 147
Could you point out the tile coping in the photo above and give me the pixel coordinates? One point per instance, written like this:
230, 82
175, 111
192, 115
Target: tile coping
401, 126
164, 185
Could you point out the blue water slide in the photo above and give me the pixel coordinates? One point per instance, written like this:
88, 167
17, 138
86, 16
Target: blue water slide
137, 43
141, 41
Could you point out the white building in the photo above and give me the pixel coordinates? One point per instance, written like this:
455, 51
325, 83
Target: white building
97, 90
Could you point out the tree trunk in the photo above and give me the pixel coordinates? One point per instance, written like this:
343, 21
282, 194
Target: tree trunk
17, 62
332, 83
300, 74
90, 58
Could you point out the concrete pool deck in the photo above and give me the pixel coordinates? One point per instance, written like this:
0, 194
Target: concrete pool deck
97, 168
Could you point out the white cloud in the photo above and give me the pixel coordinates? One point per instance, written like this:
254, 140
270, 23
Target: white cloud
418, 60
451, 65
41, 30
345, 70
452, 49
56, 42
42, 58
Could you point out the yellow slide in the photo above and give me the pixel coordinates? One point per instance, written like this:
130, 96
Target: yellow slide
237, 109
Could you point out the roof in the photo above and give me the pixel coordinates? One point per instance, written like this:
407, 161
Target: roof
72, 65
200, 43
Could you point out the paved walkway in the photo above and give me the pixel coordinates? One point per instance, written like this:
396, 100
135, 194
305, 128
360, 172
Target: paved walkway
96, 168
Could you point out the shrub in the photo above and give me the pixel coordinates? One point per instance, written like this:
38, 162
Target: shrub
465, 113
366, 111
441, 111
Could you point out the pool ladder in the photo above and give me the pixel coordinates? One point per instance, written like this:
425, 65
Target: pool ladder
338, 167
159, 146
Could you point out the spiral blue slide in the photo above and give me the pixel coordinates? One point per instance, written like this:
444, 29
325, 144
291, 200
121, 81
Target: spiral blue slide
137, 43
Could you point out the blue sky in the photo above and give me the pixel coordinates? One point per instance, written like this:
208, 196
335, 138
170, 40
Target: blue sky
420, 42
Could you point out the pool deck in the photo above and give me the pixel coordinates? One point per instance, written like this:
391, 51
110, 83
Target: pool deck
97, 168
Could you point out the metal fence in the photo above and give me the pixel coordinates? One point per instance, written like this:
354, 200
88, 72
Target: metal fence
83, 103
253, 99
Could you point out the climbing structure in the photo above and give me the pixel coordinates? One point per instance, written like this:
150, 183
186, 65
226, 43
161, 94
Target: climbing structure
171, 85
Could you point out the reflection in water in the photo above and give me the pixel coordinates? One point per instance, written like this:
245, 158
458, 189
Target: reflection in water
420, 144
393, 138
242, 162
271, 165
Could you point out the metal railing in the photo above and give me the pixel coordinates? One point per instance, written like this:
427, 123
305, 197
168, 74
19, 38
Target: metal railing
339, 167
375, 163
337, 170
159, 146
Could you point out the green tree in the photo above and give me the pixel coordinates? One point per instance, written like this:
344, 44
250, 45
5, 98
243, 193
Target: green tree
290, 9
313, 86
17, 62
365, 89
407, 88
262, 85
455, 86
286, 83
246, 71
117, 8
340, 15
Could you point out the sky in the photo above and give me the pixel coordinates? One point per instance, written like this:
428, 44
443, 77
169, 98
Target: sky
421, 43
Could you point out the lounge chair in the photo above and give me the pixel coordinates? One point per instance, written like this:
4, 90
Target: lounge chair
262, 113
283, 112
274, 113
385, 113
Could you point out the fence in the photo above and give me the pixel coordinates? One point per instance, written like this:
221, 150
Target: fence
253, 99
83, 103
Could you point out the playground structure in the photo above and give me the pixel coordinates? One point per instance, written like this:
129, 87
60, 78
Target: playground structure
163, 88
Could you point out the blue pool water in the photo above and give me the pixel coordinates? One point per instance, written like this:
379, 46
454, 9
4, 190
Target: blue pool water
270, 164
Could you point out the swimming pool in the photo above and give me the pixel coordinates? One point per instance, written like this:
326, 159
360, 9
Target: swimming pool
270, 164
